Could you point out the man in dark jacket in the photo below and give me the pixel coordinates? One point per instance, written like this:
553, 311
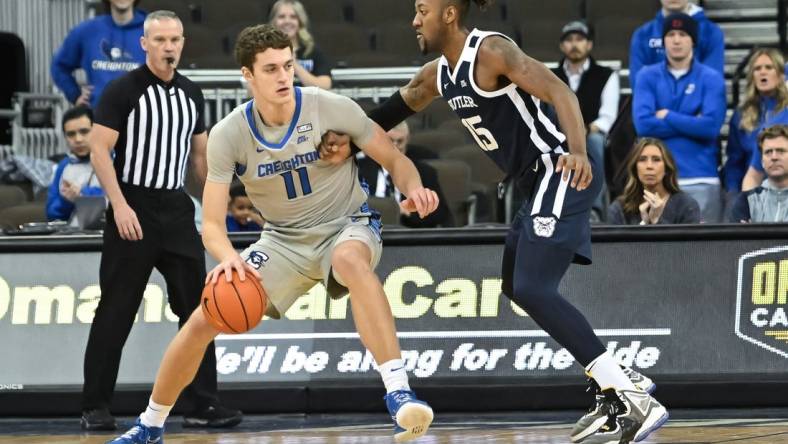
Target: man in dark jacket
597, 89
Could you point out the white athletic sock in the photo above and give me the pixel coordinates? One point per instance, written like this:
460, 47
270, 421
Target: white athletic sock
608, 374
394, 375
155, 414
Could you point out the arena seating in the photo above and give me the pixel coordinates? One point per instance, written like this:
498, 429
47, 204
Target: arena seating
454, 177
11, 195
364, 33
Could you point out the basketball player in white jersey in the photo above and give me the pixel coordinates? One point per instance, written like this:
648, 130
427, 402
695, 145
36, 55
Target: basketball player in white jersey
318, 225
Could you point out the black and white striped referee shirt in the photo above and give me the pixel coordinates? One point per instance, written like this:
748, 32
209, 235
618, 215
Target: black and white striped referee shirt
155, 121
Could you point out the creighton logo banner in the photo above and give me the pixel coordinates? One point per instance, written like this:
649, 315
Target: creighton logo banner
761, 317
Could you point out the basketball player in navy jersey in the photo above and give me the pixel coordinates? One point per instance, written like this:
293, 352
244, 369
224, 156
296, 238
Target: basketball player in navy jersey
496, 90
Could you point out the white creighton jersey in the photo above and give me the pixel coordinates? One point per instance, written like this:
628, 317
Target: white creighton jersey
281, 167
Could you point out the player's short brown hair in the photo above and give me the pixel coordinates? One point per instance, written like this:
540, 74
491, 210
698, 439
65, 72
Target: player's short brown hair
256, 39
772, 132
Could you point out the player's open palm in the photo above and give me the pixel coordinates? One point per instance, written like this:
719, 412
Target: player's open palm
235, 262
422, 201
581, 166
128, 225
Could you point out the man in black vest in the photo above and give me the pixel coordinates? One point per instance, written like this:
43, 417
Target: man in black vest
596, 87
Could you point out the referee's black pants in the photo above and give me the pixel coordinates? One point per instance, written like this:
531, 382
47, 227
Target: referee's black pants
172, 245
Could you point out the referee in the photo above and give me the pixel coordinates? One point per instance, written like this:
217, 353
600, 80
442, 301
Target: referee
152, 119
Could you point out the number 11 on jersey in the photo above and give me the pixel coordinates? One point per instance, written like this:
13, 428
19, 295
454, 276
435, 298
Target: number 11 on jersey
481, 135
303, 177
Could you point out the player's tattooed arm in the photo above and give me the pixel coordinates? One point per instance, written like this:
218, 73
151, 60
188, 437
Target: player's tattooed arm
335, 148
500, 57
422, 88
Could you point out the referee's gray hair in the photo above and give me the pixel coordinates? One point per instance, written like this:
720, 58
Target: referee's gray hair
161, 14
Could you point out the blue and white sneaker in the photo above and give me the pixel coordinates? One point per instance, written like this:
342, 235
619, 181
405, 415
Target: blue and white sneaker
411, 417
140, 434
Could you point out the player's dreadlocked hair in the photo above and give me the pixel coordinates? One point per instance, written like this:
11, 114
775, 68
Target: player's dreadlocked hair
255, 39
465, 5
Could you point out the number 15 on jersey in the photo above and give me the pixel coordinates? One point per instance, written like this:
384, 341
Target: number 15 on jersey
481, 135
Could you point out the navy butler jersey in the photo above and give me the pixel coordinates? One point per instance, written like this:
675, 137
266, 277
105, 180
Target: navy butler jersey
508, 123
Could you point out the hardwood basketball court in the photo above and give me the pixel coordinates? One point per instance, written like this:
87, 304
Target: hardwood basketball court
768, 426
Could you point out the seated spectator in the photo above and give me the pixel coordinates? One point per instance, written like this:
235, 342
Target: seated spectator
597, 89
646, 47
241, 214
105, 47
74, 175
769, 201
765, 104
380, 184
682, 102
652, 194
400, 137
312, 67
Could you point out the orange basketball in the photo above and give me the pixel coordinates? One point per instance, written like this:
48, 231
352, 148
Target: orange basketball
236, 306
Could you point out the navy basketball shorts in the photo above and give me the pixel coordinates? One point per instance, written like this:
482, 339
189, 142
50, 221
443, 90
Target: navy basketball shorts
555, 215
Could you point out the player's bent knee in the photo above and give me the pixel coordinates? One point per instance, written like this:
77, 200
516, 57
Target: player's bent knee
351, 259
198, 325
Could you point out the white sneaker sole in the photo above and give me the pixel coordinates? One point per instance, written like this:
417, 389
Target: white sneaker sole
415, 418
655, 420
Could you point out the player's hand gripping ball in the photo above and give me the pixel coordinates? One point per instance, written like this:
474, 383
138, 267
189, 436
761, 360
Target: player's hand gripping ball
236, 306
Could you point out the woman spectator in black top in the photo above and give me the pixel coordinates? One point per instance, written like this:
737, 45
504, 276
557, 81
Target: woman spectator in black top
312, 69
652, 194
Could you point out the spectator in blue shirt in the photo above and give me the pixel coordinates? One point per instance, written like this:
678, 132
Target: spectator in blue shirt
767, 202
646, 45
755, 173
765, 104
105, 47
74, 175
682, 102
241, 213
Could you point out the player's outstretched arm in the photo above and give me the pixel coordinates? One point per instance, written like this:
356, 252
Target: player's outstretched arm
415, 96
421, 90
504, 58
404, 174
